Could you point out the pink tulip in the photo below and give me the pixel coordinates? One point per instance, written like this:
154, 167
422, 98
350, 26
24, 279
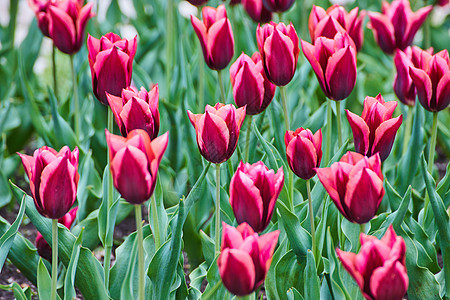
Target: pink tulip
245, 258
40, 9
257, 11
111, 62
303, 151
374, 132
53, 179
379, 267
250, 84
218, 131
355, 184
134, 163
136, 110
278, 45
216, 36
278, 6
396, 25
197, 2
334, 62
254, 190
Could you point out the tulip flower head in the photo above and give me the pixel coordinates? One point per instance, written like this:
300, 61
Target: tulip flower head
216, 36
355, 184
374, 132
251, 86
111, 62
254, 190
278, 46
245, 258
217, 131
257, 11
197, 2
303, 151
40, 9
396, 25
136, 110
379, 267
53, 179
134, 163
278, 6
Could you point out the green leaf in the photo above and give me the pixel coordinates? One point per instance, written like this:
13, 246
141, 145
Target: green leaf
69, 281
195, 193
126, 291
207, 247
162, 219
44, 282
339, 289
270, 281
312, 289
107, 214
289, 273
19, 293
394, 198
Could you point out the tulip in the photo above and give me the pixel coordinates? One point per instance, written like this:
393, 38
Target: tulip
278, 6
334, 62
40, 9
336, 19
397, 25
257, 11
374, 132
53, 179
355, 184
403, 84
303, 151
136, 110
217, 131
379, 267
197, 2
111, 62
245, 258
134, 163
254, 190
278, 45
250, 84
216, 36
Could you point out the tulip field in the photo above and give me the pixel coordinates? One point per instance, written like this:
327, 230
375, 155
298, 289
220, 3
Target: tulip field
224, 149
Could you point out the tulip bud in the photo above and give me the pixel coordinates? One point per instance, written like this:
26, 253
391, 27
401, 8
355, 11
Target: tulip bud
278, 6
278, 45
355, 184
216, 36
40, 9
197, 2
53, 179
374, 132
245, 258
379, 267
397, 25
217, 131
257, 11
134, 163
334, 62
254, 190
303, 151
111, 62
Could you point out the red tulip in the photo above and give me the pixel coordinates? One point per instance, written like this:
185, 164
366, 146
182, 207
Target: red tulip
303, 151
197, 2
374, 132
355, 184
257, 11
134, 163
53, 179
136, 110
334, 62
245, 258
278, 6
111, 62
397, 25
250, 84
379, 267
218, 131
216, 36
40, 9
278, 45
254, 190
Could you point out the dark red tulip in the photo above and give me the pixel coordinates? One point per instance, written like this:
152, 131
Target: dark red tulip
197, 2
278, 6
257, 11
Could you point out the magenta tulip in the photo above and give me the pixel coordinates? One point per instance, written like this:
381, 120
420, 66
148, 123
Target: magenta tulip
134, 163
379, 267
245, 258
374, 132
355, 184
257, 11
254, 190
111, 62
40, 9
278, 6
53, 179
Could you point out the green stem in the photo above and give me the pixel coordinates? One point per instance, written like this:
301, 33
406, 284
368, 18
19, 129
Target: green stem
217, 245
280, 17
247, 140
311, 216
222, 90
54, 257
76, 104
285, 110
108, 248
169, 44
209, 293
329, 125
201, 79
247, 297
140, 237
156, 236
407, 133
338, 115
431, 154
426, 31
362, 228
291, 190
55, 83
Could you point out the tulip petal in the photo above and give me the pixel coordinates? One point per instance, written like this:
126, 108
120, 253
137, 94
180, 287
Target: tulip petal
115, 143
84, 15
279, 58
443, 92
360, 132
115, 103
348, 261
423, 86
62, 29
383, 32
220, 44
231, 237
249, 89
302, 157
213, 138
308, 51
414, 24
136, 115
340, 74
385, 136
389, 281
237, 271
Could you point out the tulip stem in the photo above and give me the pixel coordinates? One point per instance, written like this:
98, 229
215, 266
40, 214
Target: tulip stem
54, 257
155, 223
338, 115
329, 124
217, 237
285, 109
169, 44
431, 154
362, 228
76, 104
407, 134
222, 91
311, 216
140, 237
55, 84
247, 297
108, 248
291, 190
247, 140
201, 79
209, 293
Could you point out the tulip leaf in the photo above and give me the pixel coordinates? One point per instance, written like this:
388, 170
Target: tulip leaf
195, 193
107, 211
89, 182
312, 289
394, 198
160, 211
338, 288
196, 278
207, 247
270, 281
293, 294
289, 273
44, 282
69, 281
443, 187
126, 291
215, 287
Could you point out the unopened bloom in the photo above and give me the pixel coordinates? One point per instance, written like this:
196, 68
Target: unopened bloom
374, 132
217, 131
40, 9
111, 62
303, 151
278, 6
257, 11
254, 190
355, 184
245, 258
53, 179
134, 163
379, 267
